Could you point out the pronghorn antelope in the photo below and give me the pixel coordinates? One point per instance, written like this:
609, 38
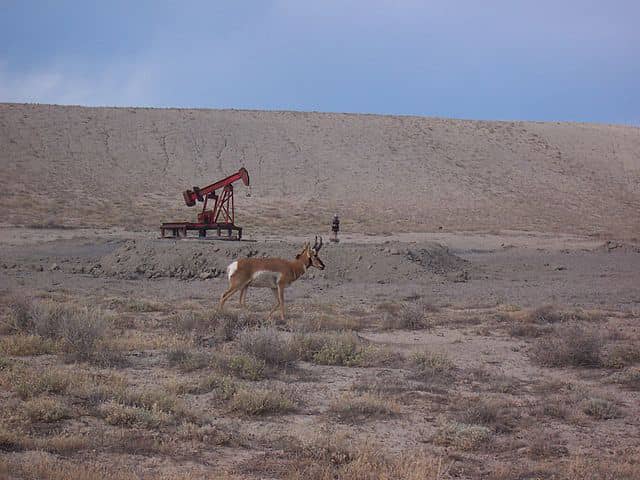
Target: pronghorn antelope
274, 273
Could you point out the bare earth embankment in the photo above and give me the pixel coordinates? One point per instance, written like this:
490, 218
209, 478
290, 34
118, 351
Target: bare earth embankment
505, 345
105, 166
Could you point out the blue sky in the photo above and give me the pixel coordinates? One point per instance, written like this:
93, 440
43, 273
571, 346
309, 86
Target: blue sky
523, 60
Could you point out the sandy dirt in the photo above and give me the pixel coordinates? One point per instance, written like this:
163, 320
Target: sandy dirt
483, 250
476, 290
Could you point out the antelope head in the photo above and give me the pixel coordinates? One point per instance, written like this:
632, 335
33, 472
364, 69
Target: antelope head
309, 255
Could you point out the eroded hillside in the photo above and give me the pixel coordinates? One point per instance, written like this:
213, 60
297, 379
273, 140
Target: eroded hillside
128, 166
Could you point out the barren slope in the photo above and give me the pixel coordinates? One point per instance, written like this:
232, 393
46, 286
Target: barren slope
128, 166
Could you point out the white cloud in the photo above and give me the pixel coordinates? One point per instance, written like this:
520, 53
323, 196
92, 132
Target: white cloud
117, 85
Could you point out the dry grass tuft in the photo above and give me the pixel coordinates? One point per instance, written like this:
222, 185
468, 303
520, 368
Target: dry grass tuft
138, 305
528, 330
381, 385
80, 331
618, 467
19, 318
332, 456
569, 346
540, 321
78, 328
49, 325
10, 440
629, 379
28, 383
211, 435
187, 361
192, 321
5, 364
550, 314
115, 413
409, 316
46, 410
241, 366
353, 409
503, 384
150, 399
545, 444
262, 401
429, 367
214, 325
93, 389
622, 356
462, 436
497, 415
327, 322
268, 345
555, 407
43, 466
222, 385
369, 464
344, 349
27, 345
600, 409
63, 444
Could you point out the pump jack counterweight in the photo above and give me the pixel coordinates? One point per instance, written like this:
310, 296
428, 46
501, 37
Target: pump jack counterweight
220, 217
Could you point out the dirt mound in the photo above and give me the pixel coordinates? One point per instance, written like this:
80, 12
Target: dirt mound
193, 259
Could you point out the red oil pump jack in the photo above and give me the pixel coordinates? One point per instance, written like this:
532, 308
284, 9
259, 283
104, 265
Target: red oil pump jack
220, 217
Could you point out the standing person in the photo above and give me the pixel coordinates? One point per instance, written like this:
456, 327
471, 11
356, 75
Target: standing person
335, 228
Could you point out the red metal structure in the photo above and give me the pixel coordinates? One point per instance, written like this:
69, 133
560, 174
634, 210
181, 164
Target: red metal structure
220, 217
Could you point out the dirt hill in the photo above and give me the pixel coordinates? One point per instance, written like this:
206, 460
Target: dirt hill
128, 166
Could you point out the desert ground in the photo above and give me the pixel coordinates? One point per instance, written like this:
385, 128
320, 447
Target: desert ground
478, 319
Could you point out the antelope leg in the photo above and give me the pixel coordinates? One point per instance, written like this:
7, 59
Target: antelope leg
243, 294
281, 300
275, 307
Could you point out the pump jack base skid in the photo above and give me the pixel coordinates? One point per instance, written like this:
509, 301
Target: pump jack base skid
179, 229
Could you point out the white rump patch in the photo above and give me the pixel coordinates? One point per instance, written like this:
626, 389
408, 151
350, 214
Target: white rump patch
231, 269
265, 279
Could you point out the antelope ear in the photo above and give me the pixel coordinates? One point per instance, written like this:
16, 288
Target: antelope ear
305, 246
